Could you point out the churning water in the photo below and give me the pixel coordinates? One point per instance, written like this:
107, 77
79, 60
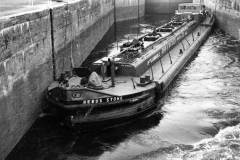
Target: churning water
199, 118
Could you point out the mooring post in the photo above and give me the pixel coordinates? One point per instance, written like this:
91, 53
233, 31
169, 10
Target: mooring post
112, 66
180, 51
133, 83
170, 57
152, 71
161, 65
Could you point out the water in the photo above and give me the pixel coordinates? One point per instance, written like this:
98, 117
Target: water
199, 119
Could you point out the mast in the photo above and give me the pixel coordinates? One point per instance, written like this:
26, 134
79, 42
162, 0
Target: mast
138, 20
72, 40
115, 20
215, 11
169, 10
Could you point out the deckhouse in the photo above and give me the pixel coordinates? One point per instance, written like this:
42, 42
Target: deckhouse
190, 10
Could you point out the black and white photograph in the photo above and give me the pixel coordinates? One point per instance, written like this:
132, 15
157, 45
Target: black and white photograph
119, 79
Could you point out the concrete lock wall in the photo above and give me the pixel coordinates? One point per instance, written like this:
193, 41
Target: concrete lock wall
26, 58
77, 30
228, 15
163, 6
129, 9
25, 71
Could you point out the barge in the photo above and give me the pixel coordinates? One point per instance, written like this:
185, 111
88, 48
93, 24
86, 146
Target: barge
128, 85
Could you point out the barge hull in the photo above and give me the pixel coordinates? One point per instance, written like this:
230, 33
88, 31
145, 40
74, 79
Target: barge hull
190, 44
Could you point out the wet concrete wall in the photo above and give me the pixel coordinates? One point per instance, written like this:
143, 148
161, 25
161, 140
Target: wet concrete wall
163, 6
228, 15
77, 30
129, 9
28, 45
25, 71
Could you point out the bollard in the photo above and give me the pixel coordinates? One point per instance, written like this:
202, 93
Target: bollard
103, 70
180, 51
161, 65
170, 57
112, 67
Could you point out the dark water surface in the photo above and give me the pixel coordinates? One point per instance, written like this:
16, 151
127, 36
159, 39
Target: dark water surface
199, 119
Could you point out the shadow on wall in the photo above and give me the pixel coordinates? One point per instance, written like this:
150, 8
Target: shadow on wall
163, 6
129, 9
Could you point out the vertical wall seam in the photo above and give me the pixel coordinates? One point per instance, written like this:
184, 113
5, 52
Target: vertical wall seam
115, 20
138, 18
52, 44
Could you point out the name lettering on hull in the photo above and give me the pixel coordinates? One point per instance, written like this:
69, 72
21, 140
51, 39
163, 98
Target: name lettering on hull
102, 100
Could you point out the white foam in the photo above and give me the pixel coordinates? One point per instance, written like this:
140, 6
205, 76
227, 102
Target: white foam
225, 145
